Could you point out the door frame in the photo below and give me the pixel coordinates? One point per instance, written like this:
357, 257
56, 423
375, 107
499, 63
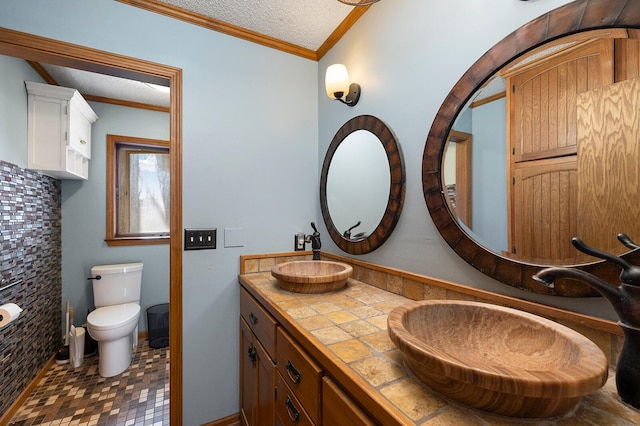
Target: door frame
40, 49
464, 181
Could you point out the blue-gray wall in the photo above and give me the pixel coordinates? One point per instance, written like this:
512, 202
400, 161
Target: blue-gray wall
487, 124
13, 109
252, 156
489, 175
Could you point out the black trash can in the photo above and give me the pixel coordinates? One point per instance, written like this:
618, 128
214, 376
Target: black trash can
158, 325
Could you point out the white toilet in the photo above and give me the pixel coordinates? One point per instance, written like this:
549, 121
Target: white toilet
114, 322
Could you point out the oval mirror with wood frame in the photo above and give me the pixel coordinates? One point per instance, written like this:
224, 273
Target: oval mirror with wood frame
617, 23
362, 185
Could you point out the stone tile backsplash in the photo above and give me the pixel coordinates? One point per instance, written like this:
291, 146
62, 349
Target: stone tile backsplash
31, 224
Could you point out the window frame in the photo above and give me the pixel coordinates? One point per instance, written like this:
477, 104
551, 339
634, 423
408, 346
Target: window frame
112, 239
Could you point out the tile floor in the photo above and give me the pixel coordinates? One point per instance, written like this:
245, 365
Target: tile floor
68, 396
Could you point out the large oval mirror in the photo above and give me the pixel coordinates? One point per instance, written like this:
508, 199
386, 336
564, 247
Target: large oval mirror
362, 185
511, 174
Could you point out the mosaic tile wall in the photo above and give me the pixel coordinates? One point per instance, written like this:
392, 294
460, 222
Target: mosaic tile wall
30, 220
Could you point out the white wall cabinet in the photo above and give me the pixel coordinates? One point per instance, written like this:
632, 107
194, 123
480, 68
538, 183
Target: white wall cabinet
59, 131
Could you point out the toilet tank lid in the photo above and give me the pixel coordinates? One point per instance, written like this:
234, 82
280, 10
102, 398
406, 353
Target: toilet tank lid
118, 268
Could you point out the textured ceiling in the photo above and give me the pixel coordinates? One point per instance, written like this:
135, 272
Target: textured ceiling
305, 23
105, 86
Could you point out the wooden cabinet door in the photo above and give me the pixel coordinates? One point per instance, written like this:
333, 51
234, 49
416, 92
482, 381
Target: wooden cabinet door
544, 211
542, 102
265, 384
338, 409
257, 381
247, 376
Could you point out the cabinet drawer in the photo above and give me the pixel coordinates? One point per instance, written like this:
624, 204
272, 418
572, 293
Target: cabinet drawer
289, 410
300, 372
338, 408
260, 321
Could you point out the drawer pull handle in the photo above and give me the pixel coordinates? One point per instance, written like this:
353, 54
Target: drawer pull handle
293, 372
292, 411
252, 354
83, 142
253, 318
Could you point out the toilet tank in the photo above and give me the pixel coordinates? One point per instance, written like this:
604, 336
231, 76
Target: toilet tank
118, 283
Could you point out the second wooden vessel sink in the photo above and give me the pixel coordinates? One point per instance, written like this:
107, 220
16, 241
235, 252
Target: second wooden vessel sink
311, 276
497, 359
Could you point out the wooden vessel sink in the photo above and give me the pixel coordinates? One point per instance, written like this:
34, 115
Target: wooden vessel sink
311, 276
497, 359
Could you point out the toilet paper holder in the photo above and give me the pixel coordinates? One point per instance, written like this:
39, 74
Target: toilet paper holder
4, 285
9, 312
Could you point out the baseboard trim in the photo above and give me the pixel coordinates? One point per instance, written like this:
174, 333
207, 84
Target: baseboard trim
232, 420
13, 408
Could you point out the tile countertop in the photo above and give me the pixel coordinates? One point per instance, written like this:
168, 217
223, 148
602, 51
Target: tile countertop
351, 326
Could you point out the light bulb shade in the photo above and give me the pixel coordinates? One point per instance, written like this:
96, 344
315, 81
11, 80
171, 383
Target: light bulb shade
358, 2
336, 81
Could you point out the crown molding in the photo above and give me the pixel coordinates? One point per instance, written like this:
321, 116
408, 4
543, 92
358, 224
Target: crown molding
245, 34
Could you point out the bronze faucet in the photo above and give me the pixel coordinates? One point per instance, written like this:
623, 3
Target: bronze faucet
347, 233
314, 239
625, 300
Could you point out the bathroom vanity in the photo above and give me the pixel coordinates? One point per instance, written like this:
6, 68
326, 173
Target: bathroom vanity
283, 378
307, 358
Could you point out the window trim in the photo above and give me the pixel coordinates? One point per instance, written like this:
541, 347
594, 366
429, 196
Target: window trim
112, 239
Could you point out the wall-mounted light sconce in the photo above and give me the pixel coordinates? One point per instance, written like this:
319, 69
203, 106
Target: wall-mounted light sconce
358, 2
336, 82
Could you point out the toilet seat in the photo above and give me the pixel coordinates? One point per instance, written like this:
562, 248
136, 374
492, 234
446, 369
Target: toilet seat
115, 316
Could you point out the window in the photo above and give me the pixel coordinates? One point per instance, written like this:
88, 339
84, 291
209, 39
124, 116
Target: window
137, 191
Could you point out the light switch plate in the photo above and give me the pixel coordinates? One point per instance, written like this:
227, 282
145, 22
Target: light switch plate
200, 239
233, 237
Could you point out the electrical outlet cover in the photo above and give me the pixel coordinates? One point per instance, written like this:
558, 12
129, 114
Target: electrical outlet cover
233, 237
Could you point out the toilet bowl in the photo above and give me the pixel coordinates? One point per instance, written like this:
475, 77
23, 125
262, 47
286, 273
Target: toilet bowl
114, 322
115, 329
